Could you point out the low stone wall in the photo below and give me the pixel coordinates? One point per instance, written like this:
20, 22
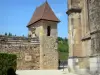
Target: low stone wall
27, 51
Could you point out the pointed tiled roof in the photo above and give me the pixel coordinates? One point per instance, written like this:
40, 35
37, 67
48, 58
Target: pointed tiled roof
44, 12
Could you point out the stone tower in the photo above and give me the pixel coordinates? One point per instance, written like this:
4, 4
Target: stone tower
43, 25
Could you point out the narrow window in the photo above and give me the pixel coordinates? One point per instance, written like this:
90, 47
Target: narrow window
48, 30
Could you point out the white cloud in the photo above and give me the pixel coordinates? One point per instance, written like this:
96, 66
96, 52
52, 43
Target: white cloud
59, 14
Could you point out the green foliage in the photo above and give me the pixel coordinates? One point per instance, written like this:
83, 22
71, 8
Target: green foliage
7, 61
63, 48
9, 34
62, 44
63, 55
5, 34
60, 39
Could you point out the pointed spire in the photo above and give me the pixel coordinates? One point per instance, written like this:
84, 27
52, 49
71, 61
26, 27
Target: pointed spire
44, 12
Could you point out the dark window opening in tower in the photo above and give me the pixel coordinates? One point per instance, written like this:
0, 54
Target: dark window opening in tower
48, 30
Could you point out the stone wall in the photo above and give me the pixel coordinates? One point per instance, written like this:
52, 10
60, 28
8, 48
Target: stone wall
75, 31
90, 35
79, 36
94, 18
49, 53
74, 4
94, 14
35, 29
53, 27
27, 51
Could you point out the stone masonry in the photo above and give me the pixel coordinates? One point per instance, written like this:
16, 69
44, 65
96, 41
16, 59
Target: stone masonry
49, 52
84, 27
27, 51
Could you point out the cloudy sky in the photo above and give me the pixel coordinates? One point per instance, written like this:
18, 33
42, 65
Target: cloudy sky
15, 15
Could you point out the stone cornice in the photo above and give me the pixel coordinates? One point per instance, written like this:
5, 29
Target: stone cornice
95, 31
91, 56
71, 10
86, 37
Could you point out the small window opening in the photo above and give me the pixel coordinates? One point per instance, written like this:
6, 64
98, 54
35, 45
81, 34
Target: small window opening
48, 30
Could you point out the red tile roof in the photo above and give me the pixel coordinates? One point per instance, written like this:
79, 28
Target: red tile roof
43, 12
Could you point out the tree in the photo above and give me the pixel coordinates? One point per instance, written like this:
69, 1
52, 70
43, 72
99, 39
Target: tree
23, 36
5, 34
66, 39
60, 39
9, 34
63, 48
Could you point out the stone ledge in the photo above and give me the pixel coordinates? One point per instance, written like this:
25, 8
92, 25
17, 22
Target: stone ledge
83, 56
73, 10
95, 31
86, 37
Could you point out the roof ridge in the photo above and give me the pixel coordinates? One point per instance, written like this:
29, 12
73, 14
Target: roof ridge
44, 9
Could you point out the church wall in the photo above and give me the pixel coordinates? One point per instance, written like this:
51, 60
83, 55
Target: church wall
86, 41
81, 47
90, 36
70, 35
77, 35
94, 19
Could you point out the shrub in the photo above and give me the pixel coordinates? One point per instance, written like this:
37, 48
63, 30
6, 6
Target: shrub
7, 61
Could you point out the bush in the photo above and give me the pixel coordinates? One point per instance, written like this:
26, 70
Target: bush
63, 48
7, 61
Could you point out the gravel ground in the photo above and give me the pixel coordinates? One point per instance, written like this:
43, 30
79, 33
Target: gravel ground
43, 72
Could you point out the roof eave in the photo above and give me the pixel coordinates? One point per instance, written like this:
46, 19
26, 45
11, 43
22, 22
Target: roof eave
42, 19
32, 23
51, 20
